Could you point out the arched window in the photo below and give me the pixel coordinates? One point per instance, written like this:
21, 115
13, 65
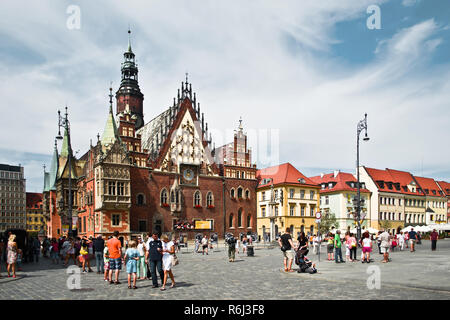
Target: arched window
232, 193
197, 198
247, 194
163, 196
249, 221
172, 196
140, 199
292, 229
240, 218
239, 192
230, 221
209, 199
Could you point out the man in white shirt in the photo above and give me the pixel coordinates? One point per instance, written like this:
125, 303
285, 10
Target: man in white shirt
205, 245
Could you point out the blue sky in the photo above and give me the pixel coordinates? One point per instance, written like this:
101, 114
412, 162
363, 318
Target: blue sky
306, 69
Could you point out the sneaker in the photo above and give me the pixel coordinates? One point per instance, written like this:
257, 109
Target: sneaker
84, 271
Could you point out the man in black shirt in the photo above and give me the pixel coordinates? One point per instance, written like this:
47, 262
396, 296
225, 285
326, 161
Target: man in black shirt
154, 257
99, 246
286, 244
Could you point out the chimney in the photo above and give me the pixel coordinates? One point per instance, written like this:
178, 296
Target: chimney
336, 172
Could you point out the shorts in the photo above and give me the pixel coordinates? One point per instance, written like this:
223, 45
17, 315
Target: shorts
384, 249
106, 265
366, 249
330, 248
347, 251
115, 264
412, 241
83, 258
205, 247
288, 254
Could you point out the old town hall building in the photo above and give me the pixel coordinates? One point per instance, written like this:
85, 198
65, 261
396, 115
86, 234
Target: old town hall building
164, 175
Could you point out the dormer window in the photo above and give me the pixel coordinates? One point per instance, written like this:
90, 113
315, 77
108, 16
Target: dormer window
330, 185
323, 186
434, 191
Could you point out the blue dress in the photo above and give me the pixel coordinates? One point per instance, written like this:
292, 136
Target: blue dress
131, 263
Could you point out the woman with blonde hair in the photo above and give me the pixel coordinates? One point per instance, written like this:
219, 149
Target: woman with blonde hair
12, 255
168, 249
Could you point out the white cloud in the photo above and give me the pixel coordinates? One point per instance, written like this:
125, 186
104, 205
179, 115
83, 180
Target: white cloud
260, 60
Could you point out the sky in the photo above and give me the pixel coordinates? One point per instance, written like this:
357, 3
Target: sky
301, 74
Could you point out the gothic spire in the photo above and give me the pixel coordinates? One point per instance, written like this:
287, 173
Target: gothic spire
110, 133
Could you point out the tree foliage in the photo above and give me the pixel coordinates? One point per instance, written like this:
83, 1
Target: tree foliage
328, 221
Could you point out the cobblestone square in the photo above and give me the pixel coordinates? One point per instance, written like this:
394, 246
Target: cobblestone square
420, 275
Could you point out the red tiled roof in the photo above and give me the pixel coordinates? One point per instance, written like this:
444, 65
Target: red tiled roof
402, 178
282, 174
341, 182
430, 184
34, 199
445, 186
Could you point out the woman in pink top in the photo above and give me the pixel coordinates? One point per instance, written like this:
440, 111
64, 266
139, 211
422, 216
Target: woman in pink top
366, 248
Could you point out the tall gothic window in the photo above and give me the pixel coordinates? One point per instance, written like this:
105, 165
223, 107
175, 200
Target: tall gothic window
230, 221
240, 218
249, 221
197, 198
164, 196
239, 192
209, 199
140, 199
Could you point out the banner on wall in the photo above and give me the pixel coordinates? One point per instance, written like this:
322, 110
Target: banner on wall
203, 225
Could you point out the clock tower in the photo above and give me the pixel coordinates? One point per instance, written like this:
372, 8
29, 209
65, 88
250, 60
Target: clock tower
129, 93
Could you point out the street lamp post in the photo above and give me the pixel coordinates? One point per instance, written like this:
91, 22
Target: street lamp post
64, 122
362, 125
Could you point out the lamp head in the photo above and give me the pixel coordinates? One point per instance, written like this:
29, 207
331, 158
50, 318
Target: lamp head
366, 138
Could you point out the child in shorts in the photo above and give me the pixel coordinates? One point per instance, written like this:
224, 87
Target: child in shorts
106, 263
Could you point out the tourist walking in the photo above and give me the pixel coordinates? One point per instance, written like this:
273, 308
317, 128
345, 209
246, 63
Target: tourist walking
69, 252
205, 242
406, 237
106, 276
231, 241
141, 265
347, 244
330, 246
115, 257
36, 249
412, 235
238, 242
84, 255
54, 251
379, 241
354, 247
366, 247
337, 247
154, 257
419, 238
168, 250
401, 241
434, 238
11, 255
244, 244
99, 247
131, 259
286, 245
385, 238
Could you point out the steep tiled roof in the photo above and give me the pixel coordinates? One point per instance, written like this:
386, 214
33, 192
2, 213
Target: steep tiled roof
394, 181
339, 182
34, 200
283, 174
428, 184
445, 186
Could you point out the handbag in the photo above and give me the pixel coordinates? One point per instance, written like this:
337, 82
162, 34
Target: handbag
175, 260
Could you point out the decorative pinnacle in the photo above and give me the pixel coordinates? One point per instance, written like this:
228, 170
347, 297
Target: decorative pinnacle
110, 95
187, 77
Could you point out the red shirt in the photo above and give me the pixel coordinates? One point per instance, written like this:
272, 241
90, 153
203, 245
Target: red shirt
114, 246
434, 235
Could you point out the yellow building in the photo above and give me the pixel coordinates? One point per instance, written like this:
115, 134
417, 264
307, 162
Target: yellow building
285, 199
35, 216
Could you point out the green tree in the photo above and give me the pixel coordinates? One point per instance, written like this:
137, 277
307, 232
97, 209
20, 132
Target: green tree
328, 221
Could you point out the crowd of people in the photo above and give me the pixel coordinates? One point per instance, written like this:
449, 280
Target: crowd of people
385, 241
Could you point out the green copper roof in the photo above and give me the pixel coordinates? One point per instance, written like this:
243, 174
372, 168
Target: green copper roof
110, 134
53, 170
46, 182
65, 145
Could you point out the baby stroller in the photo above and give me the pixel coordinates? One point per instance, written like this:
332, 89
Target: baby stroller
305, 265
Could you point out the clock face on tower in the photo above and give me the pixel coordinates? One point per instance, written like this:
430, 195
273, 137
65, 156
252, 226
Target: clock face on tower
188, 174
